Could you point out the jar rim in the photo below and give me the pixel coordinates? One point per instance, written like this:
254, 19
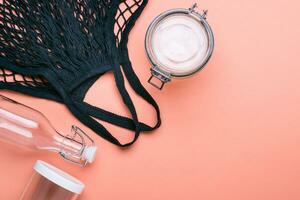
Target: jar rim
59, 177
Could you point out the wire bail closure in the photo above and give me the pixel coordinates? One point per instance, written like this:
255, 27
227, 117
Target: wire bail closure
81, 139
163, 77
193, 9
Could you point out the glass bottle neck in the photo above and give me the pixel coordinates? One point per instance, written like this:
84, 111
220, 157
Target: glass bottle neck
78, 147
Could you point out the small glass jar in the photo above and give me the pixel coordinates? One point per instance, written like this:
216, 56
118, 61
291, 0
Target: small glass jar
179, 43
51, 183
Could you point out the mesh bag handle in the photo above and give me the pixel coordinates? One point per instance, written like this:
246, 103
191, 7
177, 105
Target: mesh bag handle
44, 45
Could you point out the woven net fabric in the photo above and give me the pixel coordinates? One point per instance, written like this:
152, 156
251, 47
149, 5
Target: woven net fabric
57, 49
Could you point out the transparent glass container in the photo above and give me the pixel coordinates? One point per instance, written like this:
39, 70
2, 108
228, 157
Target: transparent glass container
178, 43
29, 129
51, 183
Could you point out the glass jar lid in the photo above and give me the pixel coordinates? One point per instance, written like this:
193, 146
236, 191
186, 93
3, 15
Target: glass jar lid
179, 42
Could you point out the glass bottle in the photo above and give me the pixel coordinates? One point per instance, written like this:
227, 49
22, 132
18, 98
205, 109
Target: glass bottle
28, 128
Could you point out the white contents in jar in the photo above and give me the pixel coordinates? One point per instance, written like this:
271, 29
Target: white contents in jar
179, 44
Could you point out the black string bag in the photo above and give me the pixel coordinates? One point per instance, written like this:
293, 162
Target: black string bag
57, 49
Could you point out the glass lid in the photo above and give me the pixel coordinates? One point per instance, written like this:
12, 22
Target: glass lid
179, 42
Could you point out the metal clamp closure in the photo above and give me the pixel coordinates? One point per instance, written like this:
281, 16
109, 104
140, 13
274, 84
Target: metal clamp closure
163, 77
82, 140
193, 10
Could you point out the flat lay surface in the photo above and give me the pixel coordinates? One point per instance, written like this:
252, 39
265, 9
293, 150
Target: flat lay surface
230, 132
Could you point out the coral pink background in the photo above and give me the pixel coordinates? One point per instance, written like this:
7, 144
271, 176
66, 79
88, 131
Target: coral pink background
232, 132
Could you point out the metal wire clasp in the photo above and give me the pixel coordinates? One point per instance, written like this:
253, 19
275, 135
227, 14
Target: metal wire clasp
193, 9
82, 140
160, 75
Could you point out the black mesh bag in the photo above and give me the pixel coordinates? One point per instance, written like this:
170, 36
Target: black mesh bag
57, 49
